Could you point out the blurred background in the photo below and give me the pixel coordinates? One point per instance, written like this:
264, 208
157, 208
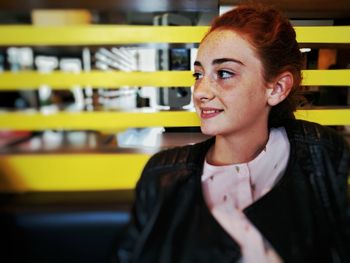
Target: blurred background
89, 90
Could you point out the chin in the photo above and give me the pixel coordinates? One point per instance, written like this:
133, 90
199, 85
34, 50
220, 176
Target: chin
208, 131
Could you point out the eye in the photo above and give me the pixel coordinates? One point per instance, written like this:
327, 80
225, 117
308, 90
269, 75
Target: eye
197, 75
224, 74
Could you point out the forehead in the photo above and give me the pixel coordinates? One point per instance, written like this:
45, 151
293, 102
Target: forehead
226, 44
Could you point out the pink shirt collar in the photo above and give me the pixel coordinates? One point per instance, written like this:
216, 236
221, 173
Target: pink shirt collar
229, 189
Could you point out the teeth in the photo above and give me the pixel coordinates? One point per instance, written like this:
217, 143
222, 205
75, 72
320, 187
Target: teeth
210, 111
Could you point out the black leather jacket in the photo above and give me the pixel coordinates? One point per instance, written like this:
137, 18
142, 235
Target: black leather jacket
303, 216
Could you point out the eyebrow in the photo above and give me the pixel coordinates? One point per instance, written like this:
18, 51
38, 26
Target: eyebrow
220, 61
223, 60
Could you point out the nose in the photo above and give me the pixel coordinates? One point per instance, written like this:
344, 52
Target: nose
203, 90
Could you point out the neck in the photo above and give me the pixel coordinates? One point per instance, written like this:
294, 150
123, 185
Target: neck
238, 148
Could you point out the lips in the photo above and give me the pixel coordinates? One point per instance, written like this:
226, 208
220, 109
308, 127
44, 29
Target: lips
207, 113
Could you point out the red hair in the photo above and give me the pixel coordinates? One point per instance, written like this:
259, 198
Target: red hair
274, 40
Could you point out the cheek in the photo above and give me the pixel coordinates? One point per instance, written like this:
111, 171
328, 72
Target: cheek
227, 92
255, 89
245, 97
227, 85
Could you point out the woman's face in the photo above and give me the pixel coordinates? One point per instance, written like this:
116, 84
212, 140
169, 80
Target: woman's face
230, 94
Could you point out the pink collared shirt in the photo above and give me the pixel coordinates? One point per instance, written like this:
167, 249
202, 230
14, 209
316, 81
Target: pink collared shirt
229, 189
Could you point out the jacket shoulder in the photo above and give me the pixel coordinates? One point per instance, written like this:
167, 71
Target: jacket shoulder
188, 155
169, 157
321, 143
314, 133
166, 169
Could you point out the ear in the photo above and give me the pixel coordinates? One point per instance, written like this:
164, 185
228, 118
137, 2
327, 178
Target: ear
279, 89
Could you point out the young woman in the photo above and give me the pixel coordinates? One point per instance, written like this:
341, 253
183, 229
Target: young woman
266, 187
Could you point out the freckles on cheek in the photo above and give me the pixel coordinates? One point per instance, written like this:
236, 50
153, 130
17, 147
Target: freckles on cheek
226, 85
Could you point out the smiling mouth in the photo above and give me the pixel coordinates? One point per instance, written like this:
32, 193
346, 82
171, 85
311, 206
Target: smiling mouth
210, 113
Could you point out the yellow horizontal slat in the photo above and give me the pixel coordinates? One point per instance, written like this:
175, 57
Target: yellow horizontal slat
334, 77
69, 172
120, 120
325, 116
323, 34
112, 35
110, 79
114, 79
99, 35
96, 120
